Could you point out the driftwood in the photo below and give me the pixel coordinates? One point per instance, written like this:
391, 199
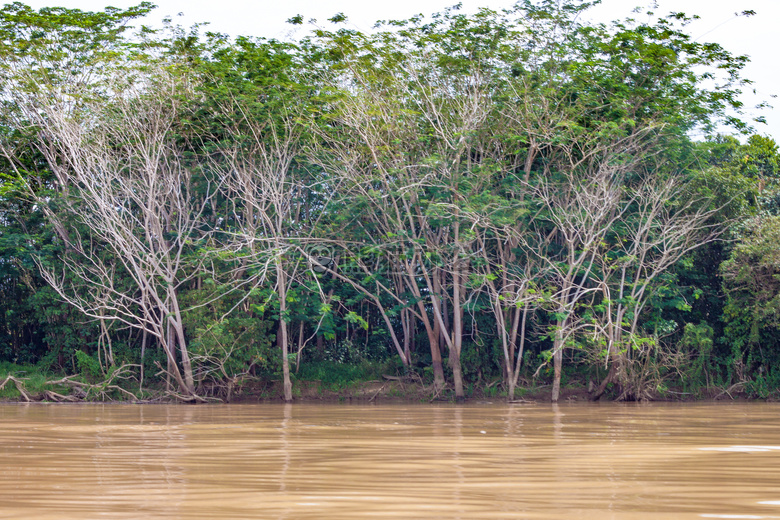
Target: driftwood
727, 391
81, 390
192, 398
19, 386
50, 395
377, 392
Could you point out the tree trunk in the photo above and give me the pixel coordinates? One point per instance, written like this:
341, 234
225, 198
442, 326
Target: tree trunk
143, 354
520, 351
433, 335
300, 347
406, 324
433, 340
557, 362
285, 361
186, 364
174, 321
173, 368
283, 340
438, 368
457, 377
603, 386
457, 322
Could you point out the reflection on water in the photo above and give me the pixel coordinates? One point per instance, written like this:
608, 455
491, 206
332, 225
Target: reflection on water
390, 461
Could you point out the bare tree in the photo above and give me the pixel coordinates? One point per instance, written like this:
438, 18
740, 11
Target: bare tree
367, 155
271, 227
128, 214
666, 223
581, 196
511, 287
410, 149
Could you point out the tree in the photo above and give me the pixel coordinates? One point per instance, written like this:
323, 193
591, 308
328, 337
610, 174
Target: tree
750, 280
254, 127
137, 214
501, 179
123, 204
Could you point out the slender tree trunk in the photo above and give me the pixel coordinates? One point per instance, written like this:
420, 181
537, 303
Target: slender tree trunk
520, 350
143, 353
285, 361
602, 388
406, 325
185, 358
283, 339
412, 332
557, 361
300, 347
173, 368
457, 377
175, 322
433, 341
513, 332
109, 350
171, 361
457, 333
434, 336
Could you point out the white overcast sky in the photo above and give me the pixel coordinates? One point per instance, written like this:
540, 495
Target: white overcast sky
757, 36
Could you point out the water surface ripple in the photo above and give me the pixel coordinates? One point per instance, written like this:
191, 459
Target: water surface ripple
305, 461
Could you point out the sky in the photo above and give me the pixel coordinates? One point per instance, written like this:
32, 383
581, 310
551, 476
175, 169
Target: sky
756, 36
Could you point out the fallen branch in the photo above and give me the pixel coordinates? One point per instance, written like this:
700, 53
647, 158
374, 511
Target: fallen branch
68, 381
728, 390
49, 395
84, 390
376, 393
193, 397
19, 386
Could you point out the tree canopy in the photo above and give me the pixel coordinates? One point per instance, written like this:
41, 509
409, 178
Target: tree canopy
512, 196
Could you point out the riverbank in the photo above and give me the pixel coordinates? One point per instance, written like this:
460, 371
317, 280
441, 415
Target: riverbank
410, 391
320, 384
372, 391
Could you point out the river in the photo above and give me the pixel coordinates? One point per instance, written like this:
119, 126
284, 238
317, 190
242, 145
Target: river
329, 461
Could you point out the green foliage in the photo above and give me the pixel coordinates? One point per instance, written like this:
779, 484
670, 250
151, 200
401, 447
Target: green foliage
481, 363
32, 377
697, 345
88, 366
419, 158
335, 375
751, 278
764, 384
224, 344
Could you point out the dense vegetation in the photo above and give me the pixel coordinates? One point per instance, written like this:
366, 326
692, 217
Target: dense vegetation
509, 198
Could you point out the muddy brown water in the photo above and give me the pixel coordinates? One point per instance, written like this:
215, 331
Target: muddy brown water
304, 461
